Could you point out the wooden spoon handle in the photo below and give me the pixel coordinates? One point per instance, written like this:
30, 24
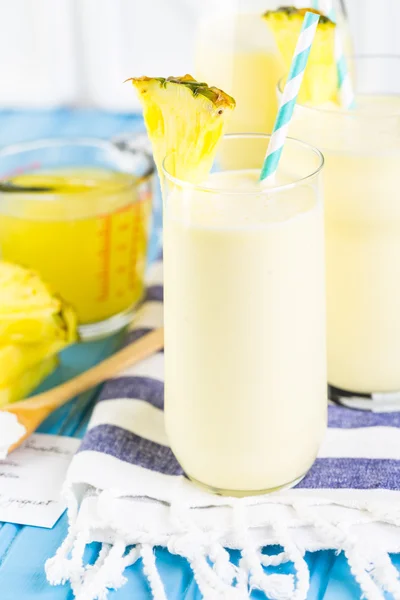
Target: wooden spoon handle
131, 354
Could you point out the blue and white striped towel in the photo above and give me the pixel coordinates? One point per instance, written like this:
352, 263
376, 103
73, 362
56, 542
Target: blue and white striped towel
126, 489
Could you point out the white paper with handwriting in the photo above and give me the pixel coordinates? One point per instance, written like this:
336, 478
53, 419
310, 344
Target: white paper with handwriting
31, 479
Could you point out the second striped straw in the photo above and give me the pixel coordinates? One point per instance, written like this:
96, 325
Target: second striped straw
346, 91
289, 96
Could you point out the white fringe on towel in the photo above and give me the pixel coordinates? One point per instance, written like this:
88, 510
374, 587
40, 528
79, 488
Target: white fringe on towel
296, 526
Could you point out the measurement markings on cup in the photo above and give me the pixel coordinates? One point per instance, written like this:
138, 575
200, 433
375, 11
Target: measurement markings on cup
104, 233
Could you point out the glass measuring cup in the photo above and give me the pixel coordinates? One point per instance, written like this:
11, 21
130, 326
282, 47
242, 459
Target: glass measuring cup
87, 233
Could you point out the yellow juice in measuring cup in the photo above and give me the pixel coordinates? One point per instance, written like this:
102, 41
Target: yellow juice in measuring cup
87, 236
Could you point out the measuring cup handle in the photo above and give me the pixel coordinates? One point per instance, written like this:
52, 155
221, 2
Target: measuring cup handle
136, 144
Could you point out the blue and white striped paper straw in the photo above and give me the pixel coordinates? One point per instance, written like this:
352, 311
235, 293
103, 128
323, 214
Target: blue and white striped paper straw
326, 7
345, 85
346, 92
289, 96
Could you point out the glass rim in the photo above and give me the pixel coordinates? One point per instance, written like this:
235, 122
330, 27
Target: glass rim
106, 145
268, 190
352, 112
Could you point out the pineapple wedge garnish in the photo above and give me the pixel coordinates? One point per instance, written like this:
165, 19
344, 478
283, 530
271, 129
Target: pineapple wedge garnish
320, 82
185, 119
35, 325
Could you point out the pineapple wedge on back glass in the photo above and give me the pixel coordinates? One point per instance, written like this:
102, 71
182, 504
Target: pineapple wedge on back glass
320, 81
243, 290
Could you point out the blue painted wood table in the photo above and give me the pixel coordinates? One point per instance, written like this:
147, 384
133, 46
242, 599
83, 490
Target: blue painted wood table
23, 550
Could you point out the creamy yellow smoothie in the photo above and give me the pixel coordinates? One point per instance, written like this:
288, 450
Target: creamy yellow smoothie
245, 380
362, 207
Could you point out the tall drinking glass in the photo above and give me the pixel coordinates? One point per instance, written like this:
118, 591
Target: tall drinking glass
362, 192
245, 378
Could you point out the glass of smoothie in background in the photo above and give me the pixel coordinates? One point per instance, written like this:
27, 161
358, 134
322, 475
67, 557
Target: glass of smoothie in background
236, 50
362, 207
82, 223
245, 360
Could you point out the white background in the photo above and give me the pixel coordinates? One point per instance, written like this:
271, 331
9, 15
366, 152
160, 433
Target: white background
78, 52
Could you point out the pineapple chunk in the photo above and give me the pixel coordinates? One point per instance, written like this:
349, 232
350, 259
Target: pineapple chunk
27, 381
320, 82
29, 311
185, 120
16, 359
34, 326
